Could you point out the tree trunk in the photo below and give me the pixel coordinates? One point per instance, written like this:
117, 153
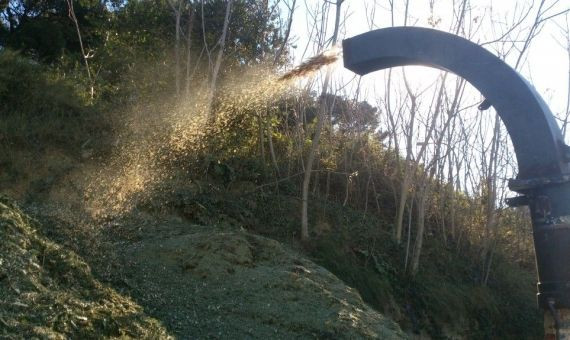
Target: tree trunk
420, 223
271, 148
422, 195
491, 188
218, 63
367, 191
408, 168
83, 53
409, 238
316, 138
178, 15
404, 189
191, 14
261, 139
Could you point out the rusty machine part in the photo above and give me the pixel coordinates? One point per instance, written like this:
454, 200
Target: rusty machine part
543, 158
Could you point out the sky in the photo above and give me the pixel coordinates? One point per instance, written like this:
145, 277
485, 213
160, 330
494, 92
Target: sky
545, 64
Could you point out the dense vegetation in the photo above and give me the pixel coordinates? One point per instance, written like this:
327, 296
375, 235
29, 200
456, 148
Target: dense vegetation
173, 108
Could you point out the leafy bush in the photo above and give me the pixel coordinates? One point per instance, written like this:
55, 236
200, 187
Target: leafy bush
34, 100
26, 88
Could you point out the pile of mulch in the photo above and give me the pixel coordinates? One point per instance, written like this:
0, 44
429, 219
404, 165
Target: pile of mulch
49, 292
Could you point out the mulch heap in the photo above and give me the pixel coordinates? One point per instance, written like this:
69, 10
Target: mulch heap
49, 292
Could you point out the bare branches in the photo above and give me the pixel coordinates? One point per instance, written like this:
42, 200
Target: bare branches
85, 55
287, 31
316, 138
216, 70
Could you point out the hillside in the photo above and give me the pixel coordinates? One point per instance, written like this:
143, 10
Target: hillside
194, 258
191, 282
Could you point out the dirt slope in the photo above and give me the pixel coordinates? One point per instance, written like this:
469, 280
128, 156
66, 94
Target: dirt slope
184, 281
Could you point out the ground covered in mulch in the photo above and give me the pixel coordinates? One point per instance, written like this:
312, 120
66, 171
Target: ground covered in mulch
49, 292
163, 278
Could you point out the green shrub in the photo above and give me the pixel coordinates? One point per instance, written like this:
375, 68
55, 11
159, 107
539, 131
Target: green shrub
34, 101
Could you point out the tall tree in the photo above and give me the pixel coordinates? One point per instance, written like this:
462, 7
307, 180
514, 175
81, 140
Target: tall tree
177, 7
218, 62
317, 135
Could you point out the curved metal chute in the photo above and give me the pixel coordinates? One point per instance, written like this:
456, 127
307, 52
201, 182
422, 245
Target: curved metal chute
536, 137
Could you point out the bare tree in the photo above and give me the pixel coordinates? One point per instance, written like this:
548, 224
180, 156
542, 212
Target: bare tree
177, 7
408, 166
219, 57
85, 55
191, 15
316, 138
279, 53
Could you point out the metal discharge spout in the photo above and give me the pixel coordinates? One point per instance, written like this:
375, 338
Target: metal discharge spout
543, 158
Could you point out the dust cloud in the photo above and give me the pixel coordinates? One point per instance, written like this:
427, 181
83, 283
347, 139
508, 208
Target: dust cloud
153, 135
